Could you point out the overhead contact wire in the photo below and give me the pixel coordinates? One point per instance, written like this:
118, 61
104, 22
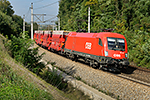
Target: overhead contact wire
38, 1
50, 19
46, 5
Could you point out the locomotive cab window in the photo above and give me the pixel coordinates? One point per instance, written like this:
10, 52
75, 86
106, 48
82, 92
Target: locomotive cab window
100, 42
116, 44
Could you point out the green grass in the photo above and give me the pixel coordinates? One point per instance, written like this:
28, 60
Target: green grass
14, 87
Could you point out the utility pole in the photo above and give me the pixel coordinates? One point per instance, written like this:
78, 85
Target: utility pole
89, 19
23, 24
32, 21
59, 23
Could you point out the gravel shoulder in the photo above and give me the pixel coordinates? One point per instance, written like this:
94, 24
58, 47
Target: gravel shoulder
109, 83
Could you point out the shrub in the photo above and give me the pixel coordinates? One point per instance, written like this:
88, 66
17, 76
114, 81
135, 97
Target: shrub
140, 49
22, 50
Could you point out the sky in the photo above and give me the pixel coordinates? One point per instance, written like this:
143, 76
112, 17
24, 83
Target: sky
48, 7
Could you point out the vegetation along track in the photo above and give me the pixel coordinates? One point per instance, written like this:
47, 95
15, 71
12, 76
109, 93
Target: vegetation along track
107, 82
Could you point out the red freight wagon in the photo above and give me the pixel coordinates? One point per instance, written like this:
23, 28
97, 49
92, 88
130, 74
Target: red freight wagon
35, 35
58, 39
102, 49
49, 40
40, 37
45, 38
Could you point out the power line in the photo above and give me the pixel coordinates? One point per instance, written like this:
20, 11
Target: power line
46, 5
50, 19
49, 15
38, 1
27, 13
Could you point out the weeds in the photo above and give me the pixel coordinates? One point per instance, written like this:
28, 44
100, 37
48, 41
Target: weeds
78, 78
53, 78
20, 49
14, 87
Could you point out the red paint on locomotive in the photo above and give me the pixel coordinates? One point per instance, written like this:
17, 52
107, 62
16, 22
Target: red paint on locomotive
106, 48
97, 44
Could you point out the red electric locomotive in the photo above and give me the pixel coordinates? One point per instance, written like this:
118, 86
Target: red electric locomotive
105, 50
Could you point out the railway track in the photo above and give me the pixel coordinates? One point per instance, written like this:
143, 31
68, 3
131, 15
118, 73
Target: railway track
140, 68
129, 74
119, 84
143, 76
134, 80
137, 74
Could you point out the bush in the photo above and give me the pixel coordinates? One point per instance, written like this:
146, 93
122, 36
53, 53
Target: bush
140, 49
21, 48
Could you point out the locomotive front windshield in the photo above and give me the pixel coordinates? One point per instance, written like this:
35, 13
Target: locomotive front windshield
116, 44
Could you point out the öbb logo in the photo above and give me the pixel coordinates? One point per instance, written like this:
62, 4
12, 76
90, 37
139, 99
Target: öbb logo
88, 45
117, 55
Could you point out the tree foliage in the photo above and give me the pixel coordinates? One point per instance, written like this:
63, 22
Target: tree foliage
9, 23
6, 7
21, 49
128, 17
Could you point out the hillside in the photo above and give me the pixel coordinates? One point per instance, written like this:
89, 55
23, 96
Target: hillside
17, 82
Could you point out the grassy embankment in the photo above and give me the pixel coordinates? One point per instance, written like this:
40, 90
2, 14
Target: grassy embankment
12, 85
17, 82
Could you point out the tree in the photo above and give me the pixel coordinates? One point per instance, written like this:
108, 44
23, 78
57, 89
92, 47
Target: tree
28, 27
6, 7
7, 25
17, 19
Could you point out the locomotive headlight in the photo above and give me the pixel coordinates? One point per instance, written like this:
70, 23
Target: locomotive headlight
126, 54
106, 53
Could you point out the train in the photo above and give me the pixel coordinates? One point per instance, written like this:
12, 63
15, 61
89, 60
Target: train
104, 50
